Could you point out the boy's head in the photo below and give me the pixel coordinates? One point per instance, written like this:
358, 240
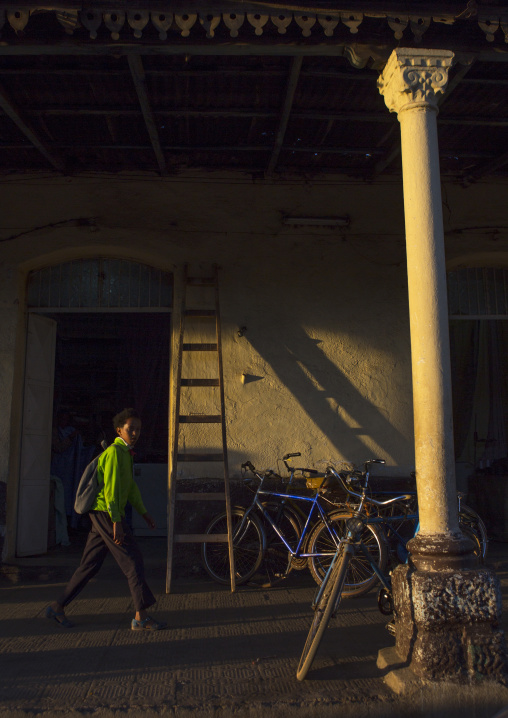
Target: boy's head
121, 418
128, 426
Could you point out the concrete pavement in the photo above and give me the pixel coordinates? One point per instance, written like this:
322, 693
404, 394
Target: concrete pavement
223, 654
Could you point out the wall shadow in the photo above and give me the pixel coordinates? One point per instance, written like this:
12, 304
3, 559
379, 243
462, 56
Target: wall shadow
319, 387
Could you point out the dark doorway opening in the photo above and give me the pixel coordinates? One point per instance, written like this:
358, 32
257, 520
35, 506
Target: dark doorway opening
480, 402
104, 362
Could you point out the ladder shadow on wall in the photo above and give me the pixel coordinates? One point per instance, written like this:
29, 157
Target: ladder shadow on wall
326, 394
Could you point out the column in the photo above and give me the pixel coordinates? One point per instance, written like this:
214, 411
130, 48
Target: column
447, 609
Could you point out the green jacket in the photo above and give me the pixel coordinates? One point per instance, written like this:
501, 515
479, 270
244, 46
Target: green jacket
116, 471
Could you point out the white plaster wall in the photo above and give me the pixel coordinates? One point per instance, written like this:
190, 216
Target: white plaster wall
327, 337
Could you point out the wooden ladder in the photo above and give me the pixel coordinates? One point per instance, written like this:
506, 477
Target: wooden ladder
209, 350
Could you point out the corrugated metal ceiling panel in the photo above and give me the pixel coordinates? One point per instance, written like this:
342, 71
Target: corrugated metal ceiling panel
224, 113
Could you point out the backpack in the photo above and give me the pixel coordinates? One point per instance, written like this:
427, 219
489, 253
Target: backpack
88, 487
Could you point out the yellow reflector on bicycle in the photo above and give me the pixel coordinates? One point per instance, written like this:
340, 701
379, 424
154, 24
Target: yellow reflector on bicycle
315, 482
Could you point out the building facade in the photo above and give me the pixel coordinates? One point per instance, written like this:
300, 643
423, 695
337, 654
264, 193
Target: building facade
330, 162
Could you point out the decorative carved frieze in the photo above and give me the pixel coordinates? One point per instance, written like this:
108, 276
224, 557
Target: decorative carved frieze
18, 19
489, 25
414, 78
398, 25
504, 27
418, 26
162, 22
137, 22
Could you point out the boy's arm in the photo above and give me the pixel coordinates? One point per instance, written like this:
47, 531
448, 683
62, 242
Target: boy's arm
111, 471
136, 500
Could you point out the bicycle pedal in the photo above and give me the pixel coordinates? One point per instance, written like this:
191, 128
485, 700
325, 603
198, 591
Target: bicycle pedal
390, 627
385, 602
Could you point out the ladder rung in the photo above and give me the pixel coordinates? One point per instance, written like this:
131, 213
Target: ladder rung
199, 382
200, 313
199, 347
201, 281
200, 419
200, 496
201, 538
200, 457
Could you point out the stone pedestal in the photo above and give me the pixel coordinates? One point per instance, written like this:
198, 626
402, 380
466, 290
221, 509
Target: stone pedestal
448, 623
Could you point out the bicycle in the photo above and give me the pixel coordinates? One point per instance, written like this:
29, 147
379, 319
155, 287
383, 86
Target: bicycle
290, 519
269, 512
338, 573
394, 527
248, 539
329, 594
470, 524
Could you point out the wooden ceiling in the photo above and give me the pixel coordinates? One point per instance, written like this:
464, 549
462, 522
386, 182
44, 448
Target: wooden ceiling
292, 93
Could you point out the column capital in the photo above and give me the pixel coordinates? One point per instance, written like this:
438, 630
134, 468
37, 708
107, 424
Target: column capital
414, 78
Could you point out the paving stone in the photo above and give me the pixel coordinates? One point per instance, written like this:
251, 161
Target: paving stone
223, 655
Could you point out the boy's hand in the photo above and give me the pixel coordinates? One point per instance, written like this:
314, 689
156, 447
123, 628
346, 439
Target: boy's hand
118, 533
150, 521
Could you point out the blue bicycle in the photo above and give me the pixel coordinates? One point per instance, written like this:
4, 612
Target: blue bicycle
339, 572
274, 535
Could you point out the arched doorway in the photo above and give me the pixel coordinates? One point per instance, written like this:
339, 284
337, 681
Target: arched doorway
98, 340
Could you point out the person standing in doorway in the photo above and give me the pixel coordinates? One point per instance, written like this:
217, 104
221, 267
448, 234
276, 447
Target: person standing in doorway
64, 453
110, 531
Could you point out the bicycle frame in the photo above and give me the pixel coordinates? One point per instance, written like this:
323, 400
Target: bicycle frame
294, 551
352, 542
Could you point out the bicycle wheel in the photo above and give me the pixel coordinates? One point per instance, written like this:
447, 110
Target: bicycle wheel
248, 547
473, 527
360, 576
329, 602
276, 565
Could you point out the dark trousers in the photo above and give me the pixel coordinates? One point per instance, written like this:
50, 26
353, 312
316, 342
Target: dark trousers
128, 557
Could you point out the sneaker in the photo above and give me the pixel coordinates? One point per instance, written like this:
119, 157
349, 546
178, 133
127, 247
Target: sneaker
148, 624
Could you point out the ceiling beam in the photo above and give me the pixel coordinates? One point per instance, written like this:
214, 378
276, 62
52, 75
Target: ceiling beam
138, 76
385, 118
354, 75
294, 75
360, 151
92, 48
240, 48
12, 112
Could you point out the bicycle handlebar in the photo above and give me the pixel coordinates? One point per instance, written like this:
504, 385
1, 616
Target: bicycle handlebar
293, 469
290, 456
267, 474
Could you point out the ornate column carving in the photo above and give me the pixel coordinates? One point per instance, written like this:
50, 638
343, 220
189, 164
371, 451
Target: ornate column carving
415, 78
442, 639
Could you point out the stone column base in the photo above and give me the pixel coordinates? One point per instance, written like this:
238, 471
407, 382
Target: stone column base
448, 623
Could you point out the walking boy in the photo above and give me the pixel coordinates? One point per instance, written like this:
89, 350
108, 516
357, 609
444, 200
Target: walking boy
110, 532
